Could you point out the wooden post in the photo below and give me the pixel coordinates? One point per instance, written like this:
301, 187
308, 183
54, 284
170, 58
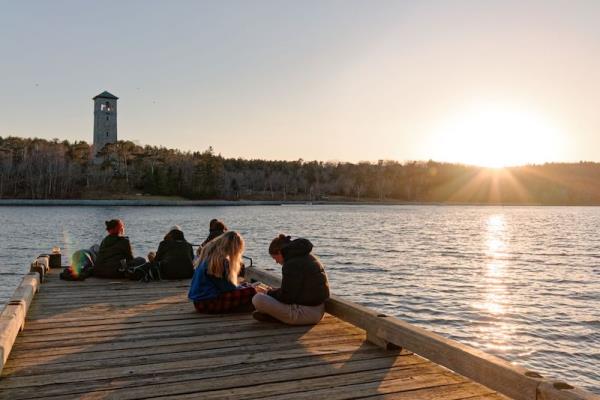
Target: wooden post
12, 318
39, 268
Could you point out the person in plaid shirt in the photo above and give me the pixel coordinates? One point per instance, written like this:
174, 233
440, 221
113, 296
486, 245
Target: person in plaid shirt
214, 287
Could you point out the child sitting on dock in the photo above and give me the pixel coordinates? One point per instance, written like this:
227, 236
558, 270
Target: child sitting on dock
214, 287
115, 253
304, 285
174, 255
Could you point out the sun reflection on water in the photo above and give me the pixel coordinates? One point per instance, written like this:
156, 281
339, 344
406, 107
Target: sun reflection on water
496, 331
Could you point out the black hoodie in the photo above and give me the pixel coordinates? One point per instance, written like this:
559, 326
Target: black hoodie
113, 249
304, 281
176, 256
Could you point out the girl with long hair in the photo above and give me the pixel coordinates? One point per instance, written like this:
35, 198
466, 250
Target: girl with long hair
215, 287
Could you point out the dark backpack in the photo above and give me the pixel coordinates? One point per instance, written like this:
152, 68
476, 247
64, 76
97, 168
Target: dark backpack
147, 272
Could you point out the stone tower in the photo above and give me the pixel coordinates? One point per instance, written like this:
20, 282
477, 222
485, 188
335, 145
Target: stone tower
105, 120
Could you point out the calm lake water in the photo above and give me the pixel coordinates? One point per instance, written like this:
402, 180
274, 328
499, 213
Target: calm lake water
522, 283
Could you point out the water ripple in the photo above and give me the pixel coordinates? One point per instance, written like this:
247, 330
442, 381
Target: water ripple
522, 283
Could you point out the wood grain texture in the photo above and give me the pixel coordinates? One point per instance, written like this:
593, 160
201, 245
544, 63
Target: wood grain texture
101, 339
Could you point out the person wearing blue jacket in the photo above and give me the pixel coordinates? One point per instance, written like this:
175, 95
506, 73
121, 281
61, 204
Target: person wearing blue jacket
215, 287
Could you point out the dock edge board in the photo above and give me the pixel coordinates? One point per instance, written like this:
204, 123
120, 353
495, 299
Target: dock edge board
12, 318
385, 331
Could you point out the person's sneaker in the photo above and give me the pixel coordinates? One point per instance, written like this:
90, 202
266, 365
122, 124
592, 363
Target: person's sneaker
259, 316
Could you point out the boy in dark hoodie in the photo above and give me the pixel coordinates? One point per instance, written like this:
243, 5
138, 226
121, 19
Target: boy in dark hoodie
175, 255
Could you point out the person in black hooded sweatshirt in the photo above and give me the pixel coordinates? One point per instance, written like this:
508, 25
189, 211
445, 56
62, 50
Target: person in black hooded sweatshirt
304, 286
115, 253
175, 256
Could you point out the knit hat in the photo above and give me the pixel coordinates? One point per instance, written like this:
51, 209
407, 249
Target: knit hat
174, 228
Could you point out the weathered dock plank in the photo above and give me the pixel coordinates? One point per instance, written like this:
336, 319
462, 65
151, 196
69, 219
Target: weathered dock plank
127, 340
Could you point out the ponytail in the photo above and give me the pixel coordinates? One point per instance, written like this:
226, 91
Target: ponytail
278, 243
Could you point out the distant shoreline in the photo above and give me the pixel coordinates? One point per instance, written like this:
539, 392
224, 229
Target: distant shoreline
139, 203
234, 203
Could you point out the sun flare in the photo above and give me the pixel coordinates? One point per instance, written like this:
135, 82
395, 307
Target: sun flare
495, 136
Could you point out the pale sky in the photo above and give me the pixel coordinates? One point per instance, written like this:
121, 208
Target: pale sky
488, 82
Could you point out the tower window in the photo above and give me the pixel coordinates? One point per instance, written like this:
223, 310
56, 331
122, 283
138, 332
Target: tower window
106, 134
105, 107
107, 118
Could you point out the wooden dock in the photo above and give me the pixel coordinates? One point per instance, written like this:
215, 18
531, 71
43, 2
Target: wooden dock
103, 339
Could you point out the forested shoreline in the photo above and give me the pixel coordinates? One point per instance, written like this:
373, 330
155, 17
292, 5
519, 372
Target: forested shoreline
52, 169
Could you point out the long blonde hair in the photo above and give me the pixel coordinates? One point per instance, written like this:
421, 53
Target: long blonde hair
226, 247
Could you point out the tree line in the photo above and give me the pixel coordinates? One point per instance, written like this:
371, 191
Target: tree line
33, 168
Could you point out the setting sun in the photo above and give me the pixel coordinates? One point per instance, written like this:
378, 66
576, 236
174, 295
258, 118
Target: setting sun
496, 137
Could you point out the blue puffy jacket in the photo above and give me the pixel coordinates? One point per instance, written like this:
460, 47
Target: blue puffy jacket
207, 287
